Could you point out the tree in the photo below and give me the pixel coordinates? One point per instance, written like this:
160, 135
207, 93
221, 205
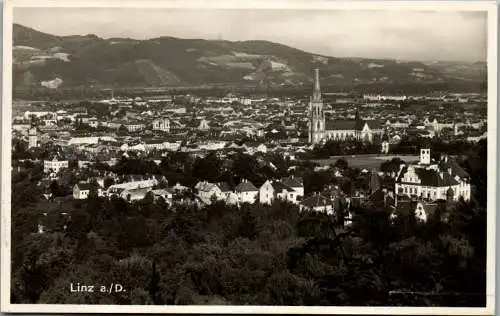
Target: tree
54, 188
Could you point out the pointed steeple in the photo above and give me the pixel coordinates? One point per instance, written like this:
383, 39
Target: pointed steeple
316, 97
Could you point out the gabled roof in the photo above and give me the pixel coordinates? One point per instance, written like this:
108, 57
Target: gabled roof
340, 125
433, 178
456, 169
374, 124
246, 186
293, 182
205, 186
83, 186
279, 187
224, 186
316, 201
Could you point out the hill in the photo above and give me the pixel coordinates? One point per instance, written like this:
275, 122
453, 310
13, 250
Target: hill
91, 61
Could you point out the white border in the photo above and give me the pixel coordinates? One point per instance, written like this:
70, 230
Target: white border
5, 165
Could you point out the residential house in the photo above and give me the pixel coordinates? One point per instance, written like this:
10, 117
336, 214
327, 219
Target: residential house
318, 203
247, 192
209, 191
272, 190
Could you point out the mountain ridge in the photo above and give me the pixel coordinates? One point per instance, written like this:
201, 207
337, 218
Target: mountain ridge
92, 61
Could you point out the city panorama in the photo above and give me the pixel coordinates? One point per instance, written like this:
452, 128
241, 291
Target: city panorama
202, 164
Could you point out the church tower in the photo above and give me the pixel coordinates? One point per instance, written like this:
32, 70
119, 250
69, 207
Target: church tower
316, 114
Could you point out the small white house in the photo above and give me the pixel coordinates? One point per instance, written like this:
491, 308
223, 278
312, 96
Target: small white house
247, 192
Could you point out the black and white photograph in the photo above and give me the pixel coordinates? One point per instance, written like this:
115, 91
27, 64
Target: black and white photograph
298, 157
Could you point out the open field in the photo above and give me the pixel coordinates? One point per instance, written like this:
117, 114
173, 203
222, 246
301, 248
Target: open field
370, 161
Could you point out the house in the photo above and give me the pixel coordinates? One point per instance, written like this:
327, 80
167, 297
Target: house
247, 192
318, 203
134, 194
297, 184
384, 147
433, 181
208, 191
272, 190
118, 189
421, 209
166, 194
81, 191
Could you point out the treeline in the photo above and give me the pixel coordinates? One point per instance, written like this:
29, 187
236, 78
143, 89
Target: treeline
345, 147
259, 255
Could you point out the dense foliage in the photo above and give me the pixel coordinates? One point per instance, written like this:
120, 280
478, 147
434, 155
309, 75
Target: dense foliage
256, 254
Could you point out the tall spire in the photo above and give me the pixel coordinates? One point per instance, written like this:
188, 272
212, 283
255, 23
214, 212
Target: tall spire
317, 91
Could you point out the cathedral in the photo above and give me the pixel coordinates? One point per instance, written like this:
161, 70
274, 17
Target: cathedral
321, 130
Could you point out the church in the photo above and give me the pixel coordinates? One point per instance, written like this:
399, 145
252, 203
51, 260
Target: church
322, 130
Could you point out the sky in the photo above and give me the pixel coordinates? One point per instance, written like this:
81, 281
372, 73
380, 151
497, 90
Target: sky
404, 35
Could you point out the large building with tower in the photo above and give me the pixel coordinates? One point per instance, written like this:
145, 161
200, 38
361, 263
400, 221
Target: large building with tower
433, 180
321, 130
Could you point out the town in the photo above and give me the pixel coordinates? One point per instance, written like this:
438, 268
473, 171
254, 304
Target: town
253, 149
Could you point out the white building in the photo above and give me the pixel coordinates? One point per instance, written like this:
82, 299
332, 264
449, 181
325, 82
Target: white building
272, 190
384, 147
142, 184
247, 192
318, 203
83, 140
32, 137
54, 165
433, 181
208, 191
161, 124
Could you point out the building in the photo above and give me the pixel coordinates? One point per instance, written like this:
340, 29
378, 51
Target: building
421, 209
208, 192
161, 124
134, 126
384, 147
247, 192
272, 190
118, 189
165, 194
55, 164
321, 130
81, 190
318, 203
32, 137
433, 181
297, 184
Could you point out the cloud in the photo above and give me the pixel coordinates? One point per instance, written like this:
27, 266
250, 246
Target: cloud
416, 35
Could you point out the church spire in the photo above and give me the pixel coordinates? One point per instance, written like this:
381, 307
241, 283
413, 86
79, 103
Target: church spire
317, 91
